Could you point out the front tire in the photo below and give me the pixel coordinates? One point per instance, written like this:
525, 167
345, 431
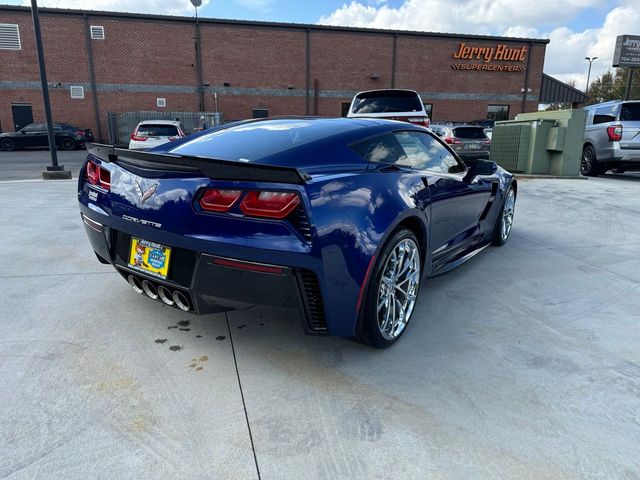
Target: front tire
393, 290
504, 222
588, 163
7, 145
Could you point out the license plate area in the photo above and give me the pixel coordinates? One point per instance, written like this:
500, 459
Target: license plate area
149, 257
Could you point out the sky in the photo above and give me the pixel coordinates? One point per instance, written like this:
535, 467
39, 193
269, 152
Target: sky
576, 28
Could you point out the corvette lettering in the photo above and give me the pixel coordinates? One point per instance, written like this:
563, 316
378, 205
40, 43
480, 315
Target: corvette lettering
142, 222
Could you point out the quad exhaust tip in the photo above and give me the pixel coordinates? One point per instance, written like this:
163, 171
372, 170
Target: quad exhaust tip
135, 284
161, 292
181, 301
165, 295
149, 289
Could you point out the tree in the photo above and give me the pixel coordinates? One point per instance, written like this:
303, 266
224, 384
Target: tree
611, 86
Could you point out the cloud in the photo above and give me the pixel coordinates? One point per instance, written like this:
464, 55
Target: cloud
539, 19
158, 7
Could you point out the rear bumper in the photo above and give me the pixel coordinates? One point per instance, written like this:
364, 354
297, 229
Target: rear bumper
215, 283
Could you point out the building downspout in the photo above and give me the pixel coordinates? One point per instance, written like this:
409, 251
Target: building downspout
308, 73
526, 79
393, 60
92, 76
199, 87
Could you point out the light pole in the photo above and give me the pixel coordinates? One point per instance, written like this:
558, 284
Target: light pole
54, 170
196, 4
590, 60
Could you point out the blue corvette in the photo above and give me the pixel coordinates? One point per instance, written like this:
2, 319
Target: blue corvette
340, 219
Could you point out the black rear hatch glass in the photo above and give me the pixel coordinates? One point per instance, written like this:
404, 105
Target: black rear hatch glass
387, 102
469, 133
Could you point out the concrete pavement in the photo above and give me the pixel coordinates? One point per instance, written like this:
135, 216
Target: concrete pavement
522, 364
29, 164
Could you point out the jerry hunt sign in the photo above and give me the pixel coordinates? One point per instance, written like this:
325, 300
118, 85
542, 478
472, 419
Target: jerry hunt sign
488, 56
627, 52
500, 52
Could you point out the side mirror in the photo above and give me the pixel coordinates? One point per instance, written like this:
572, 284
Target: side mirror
480, 167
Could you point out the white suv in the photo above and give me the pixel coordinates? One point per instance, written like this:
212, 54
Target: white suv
404, 105
151, 133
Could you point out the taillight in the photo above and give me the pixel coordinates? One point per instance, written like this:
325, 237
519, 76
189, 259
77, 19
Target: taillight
269, 204
218, 200
452, 140
614, 132
80, 133
138, 138
423, 121
92, 173
96, 175
487, 142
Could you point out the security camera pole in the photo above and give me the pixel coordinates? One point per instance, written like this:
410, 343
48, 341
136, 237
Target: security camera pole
54, 171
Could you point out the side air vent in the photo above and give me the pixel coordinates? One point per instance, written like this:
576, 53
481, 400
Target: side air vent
314, 306
300, 221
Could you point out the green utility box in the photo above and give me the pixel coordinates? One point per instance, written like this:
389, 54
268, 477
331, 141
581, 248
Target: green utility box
546, 143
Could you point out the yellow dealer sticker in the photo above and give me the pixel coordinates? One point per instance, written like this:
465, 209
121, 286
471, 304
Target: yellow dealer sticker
149, 257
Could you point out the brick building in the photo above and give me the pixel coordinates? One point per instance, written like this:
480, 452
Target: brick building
99, 62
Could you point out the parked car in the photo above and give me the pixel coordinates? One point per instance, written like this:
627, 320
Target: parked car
338, 219
151, 133
470, 142
68, 137
404, 105
611, 138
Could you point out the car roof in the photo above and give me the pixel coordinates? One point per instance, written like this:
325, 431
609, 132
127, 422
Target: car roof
301, 142
160, 122
387, 90
610, 102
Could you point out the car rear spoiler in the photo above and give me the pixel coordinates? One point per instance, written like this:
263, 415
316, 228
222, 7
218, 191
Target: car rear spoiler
212, 168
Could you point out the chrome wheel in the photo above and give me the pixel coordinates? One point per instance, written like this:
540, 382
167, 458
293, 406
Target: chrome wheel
586, 163
507, 215
398, 288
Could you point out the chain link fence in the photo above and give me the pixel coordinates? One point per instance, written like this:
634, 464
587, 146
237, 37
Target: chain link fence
122, 125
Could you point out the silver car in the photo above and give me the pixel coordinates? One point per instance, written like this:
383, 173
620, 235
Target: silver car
611, 138
470, 142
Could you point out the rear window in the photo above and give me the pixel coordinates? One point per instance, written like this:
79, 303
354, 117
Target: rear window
387, 102
630, 112
150, 130
469, 133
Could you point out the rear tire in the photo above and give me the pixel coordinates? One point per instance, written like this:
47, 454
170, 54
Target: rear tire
588, 163
7, 145
67, 144
393, 290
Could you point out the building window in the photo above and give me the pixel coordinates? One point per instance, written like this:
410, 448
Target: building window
77, 92
9, 37
97, 32
260, 113
428, 107
498, 112
161, 102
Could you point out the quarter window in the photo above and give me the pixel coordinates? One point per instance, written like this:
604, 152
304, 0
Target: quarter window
409, 149
605, 114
